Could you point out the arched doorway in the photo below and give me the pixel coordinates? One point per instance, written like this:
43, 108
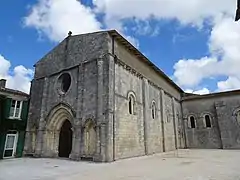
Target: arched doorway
65, 140
59, 121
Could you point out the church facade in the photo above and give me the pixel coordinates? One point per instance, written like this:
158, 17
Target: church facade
95, 96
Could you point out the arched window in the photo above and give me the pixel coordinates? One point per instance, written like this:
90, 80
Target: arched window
208, 121
192, 123
131, 103
154, 109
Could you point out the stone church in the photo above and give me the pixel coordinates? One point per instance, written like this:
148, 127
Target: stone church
95, 96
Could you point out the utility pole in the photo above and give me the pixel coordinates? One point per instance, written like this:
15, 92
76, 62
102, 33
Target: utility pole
238, 11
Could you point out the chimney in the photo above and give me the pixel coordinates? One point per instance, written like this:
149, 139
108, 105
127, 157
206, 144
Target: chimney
3, 83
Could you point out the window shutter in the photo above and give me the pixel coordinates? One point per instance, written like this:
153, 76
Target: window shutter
24, 112
6, 107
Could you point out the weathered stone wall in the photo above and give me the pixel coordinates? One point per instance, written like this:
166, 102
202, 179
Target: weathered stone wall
147, 71
99, 91
53, 97
33, 115
201, 137
169, 124
140, 134
179, 125
226, 110
154, 126
84, 58
71, 52
129, 128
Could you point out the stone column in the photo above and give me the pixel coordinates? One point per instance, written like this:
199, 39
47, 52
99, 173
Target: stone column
174, 122
75, 154
99, 155
163, 117
77, 139
42, 122
145, 92
108, 126
28, 144
103, 145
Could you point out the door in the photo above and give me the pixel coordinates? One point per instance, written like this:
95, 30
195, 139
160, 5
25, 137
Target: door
65, 140
10, 145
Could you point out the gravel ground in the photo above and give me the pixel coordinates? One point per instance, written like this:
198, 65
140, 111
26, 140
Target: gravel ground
178, 165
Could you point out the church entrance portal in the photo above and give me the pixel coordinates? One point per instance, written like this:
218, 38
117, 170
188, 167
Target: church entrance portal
65, 140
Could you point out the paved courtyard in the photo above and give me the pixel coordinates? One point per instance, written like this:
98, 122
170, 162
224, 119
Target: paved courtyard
178, 165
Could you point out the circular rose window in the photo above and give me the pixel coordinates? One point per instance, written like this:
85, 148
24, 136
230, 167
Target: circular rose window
64, 82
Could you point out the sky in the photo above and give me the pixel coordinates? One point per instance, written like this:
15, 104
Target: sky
195, 42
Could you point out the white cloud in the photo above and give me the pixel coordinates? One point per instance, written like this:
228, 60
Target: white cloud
224, 41
187, 12
145, 28
200, 91
18, 79
224, 59
55, 18
230, 84
133, 41
5, 65
191, 72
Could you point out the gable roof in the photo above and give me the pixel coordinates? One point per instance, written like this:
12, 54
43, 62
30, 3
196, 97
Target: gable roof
133, 50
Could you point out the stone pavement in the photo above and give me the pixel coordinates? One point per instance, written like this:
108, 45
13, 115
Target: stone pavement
178, 165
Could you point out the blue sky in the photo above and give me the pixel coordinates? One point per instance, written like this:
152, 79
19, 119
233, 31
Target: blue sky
192, 43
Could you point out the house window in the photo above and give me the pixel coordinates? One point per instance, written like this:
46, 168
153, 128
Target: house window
131, 103
10, 144
16, 108
192, 123
208, 121
153, 109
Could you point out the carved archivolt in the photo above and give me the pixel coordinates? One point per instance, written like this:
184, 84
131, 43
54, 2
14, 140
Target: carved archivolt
55, 119
58, 115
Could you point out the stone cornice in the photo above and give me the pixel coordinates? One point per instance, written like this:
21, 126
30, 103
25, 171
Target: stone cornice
139, 75
128, 68
154, 85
